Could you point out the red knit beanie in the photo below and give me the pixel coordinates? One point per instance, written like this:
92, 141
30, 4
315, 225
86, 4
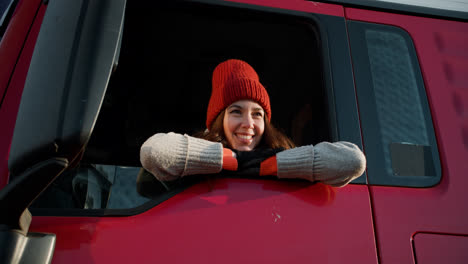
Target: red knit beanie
235, 80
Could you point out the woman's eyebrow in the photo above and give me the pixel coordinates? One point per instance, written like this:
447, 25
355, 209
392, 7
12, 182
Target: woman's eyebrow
258, 109
235, 106
240, 107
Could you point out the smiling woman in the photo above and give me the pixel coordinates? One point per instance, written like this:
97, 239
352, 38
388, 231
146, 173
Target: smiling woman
244, 125
239, 111
236, 139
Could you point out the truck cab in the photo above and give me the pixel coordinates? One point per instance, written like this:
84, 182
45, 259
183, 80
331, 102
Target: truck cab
84, 83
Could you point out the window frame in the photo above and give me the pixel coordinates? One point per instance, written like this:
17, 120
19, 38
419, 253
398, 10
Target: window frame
338, 84
366, 100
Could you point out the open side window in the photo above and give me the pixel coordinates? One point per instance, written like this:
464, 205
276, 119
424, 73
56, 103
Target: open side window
163, 84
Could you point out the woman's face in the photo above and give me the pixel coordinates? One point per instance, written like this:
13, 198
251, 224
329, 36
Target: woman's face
244, 125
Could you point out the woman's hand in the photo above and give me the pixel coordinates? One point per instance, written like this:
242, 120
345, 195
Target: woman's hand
335, 164
170, 156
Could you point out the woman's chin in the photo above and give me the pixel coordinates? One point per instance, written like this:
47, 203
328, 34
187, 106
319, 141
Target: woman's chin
244, 148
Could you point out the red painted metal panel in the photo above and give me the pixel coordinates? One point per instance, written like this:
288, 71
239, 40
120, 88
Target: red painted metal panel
219, 221
228, 221
9, 108
298, 5
14, 37
400, 212
440, 248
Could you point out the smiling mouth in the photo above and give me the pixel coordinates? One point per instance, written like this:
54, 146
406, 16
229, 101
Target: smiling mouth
245, 138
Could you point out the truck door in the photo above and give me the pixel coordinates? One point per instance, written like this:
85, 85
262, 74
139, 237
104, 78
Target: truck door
102, 209
410, 73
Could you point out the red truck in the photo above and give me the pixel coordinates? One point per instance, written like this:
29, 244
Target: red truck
84, 83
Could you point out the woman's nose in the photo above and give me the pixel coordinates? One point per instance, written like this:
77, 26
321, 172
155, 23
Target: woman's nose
247, 121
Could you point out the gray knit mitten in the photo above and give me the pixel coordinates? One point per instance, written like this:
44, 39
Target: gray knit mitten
335, 164
170, 156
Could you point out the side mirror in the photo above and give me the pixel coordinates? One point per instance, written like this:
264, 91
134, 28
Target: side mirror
74, 56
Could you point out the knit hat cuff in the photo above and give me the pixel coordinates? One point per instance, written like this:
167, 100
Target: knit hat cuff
236, 90
247, 89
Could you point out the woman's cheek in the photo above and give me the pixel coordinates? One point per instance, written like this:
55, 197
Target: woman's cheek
260, 129
229, 126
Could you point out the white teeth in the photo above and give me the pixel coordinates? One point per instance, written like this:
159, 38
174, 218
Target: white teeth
244, 136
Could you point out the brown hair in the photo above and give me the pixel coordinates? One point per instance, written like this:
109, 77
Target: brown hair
272, 137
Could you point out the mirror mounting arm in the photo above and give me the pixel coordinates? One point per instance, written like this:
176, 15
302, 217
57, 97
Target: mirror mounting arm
17, 196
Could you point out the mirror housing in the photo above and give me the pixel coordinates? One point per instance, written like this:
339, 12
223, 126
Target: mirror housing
74, 56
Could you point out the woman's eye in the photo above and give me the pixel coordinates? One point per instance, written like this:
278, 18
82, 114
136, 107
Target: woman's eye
258, 114
235, 111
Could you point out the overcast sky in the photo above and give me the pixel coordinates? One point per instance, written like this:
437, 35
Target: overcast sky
456, 5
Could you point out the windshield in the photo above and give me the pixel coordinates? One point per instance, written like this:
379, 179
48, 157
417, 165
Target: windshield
4, 7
